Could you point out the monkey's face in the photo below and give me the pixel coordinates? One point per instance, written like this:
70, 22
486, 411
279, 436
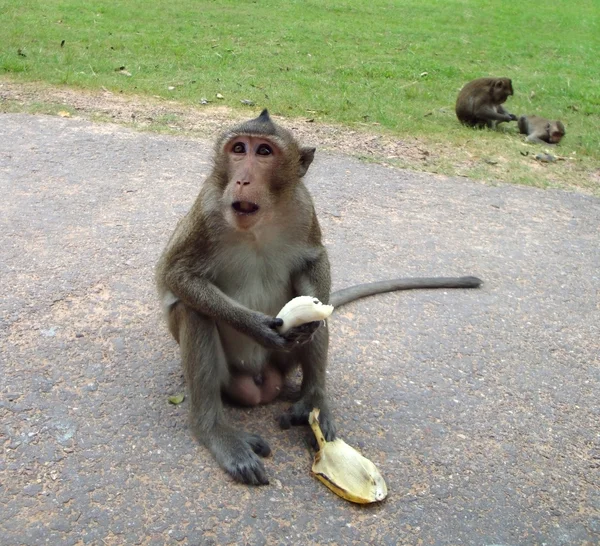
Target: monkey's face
501, 90
248, 196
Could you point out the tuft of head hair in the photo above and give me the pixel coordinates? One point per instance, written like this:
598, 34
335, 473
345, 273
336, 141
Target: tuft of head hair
263, 126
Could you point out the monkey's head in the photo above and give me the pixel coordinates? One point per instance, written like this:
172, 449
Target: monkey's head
257, 167
556, 130
501, 89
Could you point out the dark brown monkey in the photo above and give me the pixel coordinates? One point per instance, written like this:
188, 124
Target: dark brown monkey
249, 244
541, 130
480, 102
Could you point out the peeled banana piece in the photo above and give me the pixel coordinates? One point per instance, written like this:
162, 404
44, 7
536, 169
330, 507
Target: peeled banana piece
301, 310
344, 470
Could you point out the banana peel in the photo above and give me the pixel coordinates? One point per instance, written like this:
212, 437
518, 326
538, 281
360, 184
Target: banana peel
344, 470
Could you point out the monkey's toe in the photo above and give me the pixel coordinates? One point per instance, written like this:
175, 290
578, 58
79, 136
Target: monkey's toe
298, 413
285, 421
237, 453
244, 466
303, 333
258, 445
248, 471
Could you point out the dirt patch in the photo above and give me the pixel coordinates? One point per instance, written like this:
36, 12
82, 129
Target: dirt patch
156, 113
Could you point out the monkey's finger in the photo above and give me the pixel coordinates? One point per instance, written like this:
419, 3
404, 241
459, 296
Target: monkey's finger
275, 322
269, 337
308, 328
291, 418
303, 333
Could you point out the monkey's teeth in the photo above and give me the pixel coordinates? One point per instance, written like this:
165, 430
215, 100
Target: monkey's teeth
301, 310
344, 470
245, 207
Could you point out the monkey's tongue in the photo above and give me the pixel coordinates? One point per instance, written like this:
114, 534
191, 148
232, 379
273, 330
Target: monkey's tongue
244, 207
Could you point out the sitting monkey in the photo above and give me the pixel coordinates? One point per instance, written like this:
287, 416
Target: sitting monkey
480, 102
249, 244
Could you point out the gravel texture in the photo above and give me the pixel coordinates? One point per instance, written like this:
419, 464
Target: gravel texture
480, 407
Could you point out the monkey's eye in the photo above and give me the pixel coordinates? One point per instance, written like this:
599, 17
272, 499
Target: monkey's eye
264, 149
238, 148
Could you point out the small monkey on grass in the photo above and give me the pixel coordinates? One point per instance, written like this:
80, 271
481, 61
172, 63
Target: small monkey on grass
541, 130
249, 244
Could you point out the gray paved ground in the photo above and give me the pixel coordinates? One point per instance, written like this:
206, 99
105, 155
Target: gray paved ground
480, 407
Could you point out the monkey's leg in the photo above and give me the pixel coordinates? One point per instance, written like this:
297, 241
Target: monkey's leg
523, 125
313, 359
205, 369
315, 281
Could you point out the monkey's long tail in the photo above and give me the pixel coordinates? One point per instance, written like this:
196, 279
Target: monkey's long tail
346, 295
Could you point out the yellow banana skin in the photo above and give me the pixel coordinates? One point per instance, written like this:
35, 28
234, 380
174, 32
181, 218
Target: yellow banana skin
344, 470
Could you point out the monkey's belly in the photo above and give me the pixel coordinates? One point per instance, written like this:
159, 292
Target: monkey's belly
266, 296
243, 353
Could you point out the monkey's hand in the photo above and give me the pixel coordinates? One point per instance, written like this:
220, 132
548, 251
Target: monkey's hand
513, 117
264, 330
299, 335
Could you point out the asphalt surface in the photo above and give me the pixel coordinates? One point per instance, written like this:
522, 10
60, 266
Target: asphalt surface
480, 407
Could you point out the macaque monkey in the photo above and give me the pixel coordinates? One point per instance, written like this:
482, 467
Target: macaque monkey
480, 102
249, 244
541, 130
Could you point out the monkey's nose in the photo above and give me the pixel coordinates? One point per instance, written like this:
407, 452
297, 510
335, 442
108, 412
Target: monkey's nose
243, 182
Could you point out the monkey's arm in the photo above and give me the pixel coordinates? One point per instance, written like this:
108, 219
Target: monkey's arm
487, 112
503, 110
314, 279
200, 294
533, 137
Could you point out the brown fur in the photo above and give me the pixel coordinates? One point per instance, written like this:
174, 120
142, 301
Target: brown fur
250, 243
479, 102
541, 130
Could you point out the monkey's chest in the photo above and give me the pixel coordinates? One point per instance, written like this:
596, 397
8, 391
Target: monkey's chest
260, 284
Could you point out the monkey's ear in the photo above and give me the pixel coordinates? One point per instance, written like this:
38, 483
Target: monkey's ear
306, 158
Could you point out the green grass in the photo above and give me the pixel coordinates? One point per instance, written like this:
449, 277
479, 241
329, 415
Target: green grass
395, 64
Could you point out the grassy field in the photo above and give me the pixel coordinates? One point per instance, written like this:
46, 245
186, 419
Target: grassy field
391, 67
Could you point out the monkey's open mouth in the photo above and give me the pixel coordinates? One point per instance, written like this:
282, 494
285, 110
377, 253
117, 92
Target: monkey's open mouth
245, 207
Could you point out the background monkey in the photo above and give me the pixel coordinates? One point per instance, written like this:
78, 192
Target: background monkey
541, 130
480, 102
249, 244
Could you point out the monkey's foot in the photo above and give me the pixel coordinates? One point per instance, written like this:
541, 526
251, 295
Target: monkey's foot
236, 452
298, 414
